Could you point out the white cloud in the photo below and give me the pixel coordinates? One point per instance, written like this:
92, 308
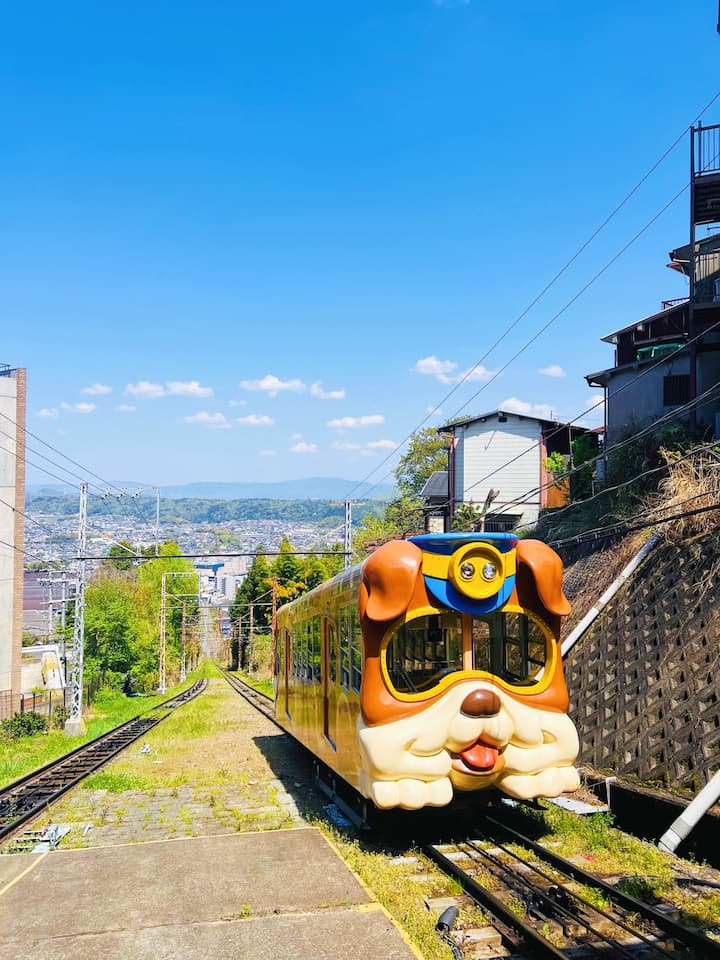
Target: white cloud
256, 420
267, 453
96, 389
78, 407
317, 391
145, 389
237, 403
296, 436
213, 421
552, 371
272, 385
304, 448
342, 445
47, 413
442, 370
595, 406
349, 423
431, 366
125, 408
541, 410
148, 390
187, 388
478, 372
382, 445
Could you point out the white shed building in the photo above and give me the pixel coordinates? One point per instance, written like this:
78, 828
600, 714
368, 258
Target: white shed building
506, 452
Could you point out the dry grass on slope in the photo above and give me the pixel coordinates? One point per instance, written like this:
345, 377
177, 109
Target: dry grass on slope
588, 578
692, 484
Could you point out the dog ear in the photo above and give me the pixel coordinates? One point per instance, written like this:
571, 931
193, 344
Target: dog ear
389, 577
544, 567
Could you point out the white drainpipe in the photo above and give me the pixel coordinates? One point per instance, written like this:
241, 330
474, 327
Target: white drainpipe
690, 816
572, 638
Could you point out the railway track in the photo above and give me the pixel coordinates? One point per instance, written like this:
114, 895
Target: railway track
542, 905
261, 701
545, 906
30, 795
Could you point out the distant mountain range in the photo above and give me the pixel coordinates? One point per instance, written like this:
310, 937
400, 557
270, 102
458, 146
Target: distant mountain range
310, 488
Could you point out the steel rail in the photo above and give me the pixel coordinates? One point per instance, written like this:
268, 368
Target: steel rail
261, 701
25, 798
687, 935
556, 903
534, 943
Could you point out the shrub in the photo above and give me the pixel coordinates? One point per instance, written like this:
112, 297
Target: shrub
23, 725
59, 716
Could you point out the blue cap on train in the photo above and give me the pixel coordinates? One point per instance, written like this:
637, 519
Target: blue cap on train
469, 572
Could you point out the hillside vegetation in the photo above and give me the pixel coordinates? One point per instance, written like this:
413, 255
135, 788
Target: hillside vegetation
210, 511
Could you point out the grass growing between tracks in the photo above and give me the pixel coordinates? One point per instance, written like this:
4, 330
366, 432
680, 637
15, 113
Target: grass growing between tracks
262, 686
203, 771
110, 709
638, 868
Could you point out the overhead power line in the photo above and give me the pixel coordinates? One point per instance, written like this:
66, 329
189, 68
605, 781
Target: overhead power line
542, 293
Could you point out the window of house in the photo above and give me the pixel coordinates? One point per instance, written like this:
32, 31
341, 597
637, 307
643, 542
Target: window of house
676, 389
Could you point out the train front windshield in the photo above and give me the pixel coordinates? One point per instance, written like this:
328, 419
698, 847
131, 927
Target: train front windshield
510, 645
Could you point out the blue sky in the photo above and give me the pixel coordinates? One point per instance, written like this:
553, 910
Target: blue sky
248, 241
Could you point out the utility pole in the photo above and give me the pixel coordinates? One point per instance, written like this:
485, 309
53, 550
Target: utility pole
348, 533
157, 520
162, 688
74, 725
50, 609
182, 644
492, 495
249, 647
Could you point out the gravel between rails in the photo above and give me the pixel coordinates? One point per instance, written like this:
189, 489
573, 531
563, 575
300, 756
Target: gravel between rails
215, 766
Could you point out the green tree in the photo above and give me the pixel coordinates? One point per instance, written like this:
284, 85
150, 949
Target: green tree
287, 571
427, 452
585, 448
121, 555
256, 589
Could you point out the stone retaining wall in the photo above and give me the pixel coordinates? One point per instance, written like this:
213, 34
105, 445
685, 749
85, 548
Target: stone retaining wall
644, 680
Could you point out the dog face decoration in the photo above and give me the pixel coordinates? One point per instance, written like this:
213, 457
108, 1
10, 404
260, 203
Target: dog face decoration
462, 684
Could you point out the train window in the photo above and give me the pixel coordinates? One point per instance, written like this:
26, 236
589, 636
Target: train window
344, 627
332, 653
290, 652
510, 645
301, 636
355, 649
314, 673
424, 650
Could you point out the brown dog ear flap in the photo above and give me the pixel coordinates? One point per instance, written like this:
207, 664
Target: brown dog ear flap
389, 577
545, 568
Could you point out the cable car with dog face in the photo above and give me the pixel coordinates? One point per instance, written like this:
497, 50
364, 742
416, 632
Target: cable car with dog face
433, 669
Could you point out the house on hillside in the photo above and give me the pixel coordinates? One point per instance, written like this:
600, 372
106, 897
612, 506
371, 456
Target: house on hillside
497, 463
669, 363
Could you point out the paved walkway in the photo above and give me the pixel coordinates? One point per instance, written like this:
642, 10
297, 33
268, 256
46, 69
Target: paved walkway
284, 893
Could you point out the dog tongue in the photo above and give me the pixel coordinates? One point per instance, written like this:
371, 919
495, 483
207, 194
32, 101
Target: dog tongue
479, 756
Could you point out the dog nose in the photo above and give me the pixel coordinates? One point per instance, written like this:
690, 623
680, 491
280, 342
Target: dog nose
481, 703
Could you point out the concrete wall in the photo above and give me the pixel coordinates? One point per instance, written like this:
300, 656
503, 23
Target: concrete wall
644, 680
12, 492
486, 447
636, 400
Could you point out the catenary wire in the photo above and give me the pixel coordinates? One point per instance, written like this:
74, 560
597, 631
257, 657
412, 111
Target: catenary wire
544, 290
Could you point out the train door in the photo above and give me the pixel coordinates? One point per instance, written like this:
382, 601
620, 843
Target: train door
330, 667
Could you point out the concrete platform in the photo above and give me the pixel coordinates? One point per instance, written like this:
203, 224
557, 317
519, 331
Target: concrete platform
283, 893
